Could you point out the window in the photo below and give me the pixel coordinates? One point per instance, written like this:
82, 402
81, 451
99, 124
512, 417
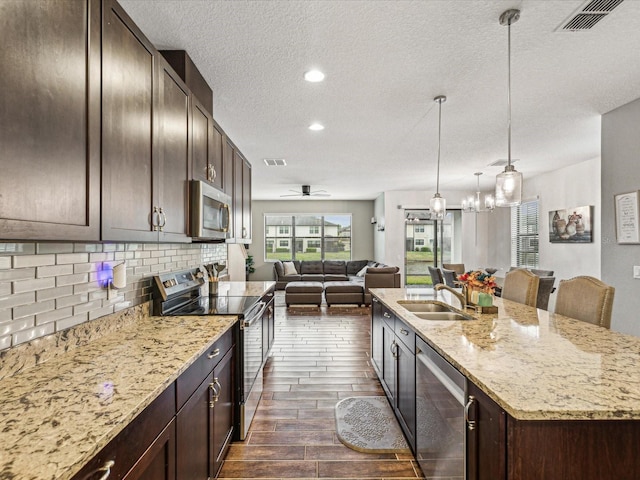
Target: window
419, 242
524, 235
418, 229
308, 237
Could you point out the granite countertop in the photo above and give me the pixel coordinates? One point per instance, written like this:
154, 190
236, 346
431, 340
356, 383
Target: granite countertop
58, 414
533, 363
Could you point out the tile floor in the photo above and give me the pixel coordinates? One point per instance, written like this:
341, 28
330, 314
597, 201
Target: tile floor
318, 358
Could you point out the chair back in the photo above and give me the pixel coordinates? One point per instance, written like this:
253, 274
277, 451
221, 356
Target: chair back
587, 299
449, 277
520, 285
545, 288
436, 276
456, 267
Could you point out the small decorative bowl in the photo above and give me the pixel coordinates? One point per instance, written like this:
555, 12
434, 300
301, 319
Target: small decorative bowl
490, 270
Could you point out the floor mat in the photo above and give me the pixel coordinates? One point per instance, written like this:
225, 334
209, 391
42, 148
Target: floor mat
367, 424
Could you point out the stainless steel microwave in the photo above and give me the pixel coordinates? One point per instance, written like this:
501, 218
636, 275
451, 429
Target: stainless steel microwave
209, 212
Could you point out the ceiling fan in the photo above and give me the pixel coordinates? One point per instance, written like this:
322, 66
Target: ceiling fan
306, 192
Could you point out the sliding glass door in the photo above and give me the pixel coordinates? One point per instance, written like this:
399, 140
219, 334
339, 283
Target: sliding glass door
429, 243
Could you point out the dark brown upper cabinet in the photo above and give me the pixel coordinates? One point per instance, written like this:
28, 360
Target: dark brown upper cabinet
50, 120
241, 198
145, 112
207, 138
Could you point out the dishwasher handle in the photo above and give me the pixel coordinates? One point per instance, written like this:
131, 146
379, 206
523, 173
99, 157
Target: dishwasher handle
246, 323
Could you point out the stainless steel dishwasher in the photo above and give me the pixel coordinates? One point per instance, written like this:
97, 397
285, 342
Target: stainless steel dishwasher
440, 415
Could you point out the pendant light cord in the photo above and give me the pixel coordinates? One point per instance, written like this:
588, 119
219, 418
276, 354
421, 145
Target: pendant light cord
509, 90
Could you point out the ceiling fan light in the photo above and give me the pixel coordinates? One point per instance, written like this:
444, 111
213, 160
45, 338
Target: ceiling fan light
508, 188
438, 207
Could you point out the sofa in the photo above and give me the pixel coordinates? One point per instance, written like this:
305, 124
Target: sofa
340, 276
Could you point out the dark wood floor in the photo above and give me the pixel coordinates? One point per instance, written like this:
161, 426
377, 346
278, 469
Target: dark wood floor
318, 358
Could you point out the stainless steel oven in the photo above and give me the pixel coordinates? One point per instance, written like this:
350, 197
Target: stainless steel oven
209, 212
178, 294
440, 414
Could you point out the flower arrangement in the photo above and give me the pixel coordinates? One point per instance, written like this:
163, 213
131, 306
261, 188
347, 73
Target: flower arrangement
478, 280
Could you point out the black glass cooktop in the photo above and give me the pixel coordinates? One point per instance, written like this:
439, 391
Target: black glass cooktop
221, 305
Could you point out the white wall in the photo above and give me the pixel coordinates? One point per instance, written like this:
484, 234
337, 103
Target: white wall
362, 232
620, 174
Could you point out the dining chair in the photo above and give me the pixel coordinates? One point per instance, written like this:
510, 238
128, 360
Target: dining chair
520, 285
587, 299
545, 289
436, 276
449, 277
456, 267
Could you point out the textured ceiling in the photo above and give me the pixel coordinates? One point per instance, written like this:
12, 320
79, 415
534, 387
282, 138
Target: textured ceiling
384, 62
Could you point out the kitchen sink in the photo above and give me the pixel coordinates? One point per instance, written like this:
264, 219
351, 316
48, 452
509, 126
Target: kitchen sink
440, 316
424, 307
434, 311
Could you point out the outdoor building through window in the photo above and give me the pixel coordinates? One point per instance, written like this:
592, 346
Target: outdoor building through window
524, 235
307, 237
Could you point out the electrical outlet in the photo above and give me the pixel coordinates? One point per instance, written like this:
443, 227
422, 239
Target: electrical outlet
636, 271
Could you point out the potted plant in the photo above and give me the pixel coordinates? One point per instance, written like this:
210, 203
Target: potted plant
249, 268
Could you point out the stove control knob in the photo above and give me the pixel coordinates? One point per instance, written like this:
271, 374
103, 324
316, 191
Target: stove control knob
167, 283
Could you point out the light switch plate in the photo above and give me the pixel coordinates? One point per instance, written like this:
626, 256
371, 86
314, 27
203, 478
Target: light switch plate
636, 271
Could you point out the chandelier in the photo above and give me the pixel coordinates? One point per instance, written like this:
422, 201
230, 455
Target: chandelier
472, 203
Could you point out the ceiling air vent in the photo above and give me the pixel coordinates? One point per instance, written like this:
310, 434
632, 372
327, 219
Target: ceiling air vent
275, 162
588, 15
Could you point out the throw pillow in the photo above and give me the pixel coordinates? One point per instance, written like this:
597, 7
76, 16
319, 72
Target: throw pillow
289, 268
362, 272
383, 270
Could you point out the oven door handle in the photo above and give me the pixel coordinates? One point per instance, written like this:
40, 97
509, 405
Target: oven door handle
246, 323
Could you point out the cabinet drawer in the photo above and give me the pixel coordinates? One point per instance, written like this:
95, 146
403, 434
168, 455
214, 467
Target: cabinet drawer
405, 334
188, 382
130, 444
388, 317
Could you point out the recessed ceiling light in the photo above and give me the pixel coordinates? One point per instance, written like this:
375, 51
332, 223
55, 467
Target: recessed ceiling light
314, 76
316, 127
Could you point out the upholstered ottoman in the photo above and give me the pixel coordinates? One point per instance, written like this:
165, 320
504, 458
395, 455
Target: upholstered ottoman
305, 293
343, 292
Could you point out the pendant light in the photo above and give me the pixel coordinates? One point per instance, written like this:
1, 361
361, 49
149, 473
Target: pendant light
471, 204
438, 205
509, 182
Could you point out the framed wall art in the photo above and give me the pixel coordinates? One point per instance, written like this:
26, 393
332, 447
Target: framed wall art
626, 211
571, 225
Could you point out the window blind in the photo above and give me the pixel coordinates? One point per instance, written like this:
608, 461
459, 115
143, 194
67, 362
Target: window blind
524, 235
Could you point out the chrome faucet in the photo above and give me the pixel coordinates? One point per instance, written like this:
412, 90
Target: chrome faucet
460, 296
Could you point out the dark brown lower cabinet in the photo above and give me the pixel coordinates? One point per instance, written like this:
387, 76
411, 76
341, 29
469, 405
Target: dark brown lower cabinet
205, 424
159, 461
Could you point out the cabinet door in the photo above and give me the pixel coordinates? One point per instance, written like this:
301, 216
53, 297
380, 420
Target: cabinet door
194, 427
201, 136
238, 164
246, 202
377, 341
406, 392
173, 154
487, 441
128, 141
216, 156
390, 347
227, 167
50, 120
222, 412
158, 461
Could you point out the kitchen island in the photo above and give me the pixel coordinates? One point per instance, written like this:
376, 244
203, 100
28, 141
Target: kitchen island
568, 392
59, 414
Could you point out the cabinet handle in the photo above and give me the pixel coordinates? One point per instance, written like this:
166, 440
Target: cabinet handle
215, 392
163, 219
215, 353
386, 315
153, 219
471, 424
214, 174
106, 468
244, 232
375, 299
394, 349
404, 332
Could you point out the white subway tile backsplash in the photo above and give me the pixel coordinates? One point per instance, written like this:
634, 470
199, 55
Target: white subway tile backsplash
26, 335
56, 287
54, 315
20, 286
33, 309
17, 300
54, 271
67, 258
20, 261
72, 279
